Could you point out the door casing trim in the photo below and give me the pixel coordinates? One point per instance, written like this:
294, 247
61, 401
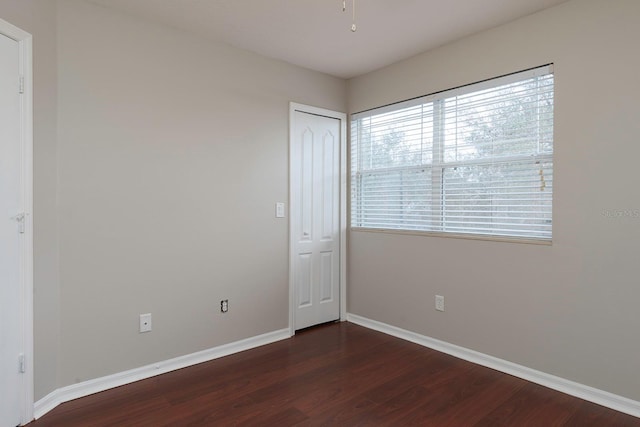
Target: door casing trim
293, 107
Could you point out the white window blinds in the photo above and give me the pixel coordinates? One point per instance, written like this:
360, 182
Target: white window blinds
473, 160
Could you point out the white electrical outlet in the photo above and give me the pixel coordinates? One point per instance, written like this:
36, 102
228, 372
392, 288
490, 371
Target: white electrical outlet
439, 303
145, 322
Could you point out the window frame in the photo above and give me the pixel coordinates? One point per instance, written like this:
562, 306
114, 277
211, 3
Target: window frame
439, 165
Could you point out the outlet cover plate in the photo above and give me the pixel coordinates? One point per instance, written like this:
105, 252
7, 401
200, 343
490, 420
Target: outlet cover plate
145, 322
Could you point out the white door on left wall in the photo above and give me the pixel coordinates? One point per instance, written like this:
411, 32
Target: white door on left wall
11, 236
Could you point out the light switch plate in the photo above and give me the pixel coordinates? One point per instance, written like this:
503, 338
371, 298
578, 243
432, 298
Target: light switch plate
279, 210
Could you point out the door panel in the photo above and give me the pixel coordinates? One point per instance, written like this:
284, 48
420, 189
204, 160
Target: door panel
326, 277
304, 280
10, 241
328, 190
306, 195
315, 203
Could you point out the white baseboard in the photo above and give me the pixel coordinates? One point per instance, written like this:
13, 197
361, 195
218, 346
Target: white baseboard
582, 391
96, 385
601, 397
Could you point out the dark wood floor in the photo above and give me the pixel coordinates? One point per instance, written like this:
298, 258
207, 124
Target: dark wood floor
334, 375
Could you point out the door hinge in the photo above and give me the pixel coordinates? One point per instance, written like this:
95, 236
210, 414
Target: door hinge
21, 363
21, 84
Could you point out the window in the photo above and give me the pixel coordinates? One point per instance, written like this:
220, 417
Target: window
476, 160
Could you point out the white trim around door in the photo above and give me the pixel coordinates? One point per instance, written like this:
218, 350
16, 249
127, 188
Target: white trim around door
342, 117
25, 42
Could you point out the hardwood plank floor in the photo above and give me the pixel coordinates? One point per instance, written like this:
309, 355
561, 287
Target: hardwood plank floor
334, 375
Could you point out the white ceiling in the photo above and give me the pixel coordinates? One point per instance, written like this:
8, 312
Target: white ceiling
316, 34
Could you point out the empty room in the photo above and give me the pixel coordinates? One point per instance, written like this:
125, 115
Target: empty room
319, 212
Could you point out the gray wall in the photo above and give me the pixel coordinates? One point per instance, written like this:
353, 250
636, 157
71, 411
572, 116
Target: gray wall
156, 173
168, 152
570, 309
38, 17
172, 153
